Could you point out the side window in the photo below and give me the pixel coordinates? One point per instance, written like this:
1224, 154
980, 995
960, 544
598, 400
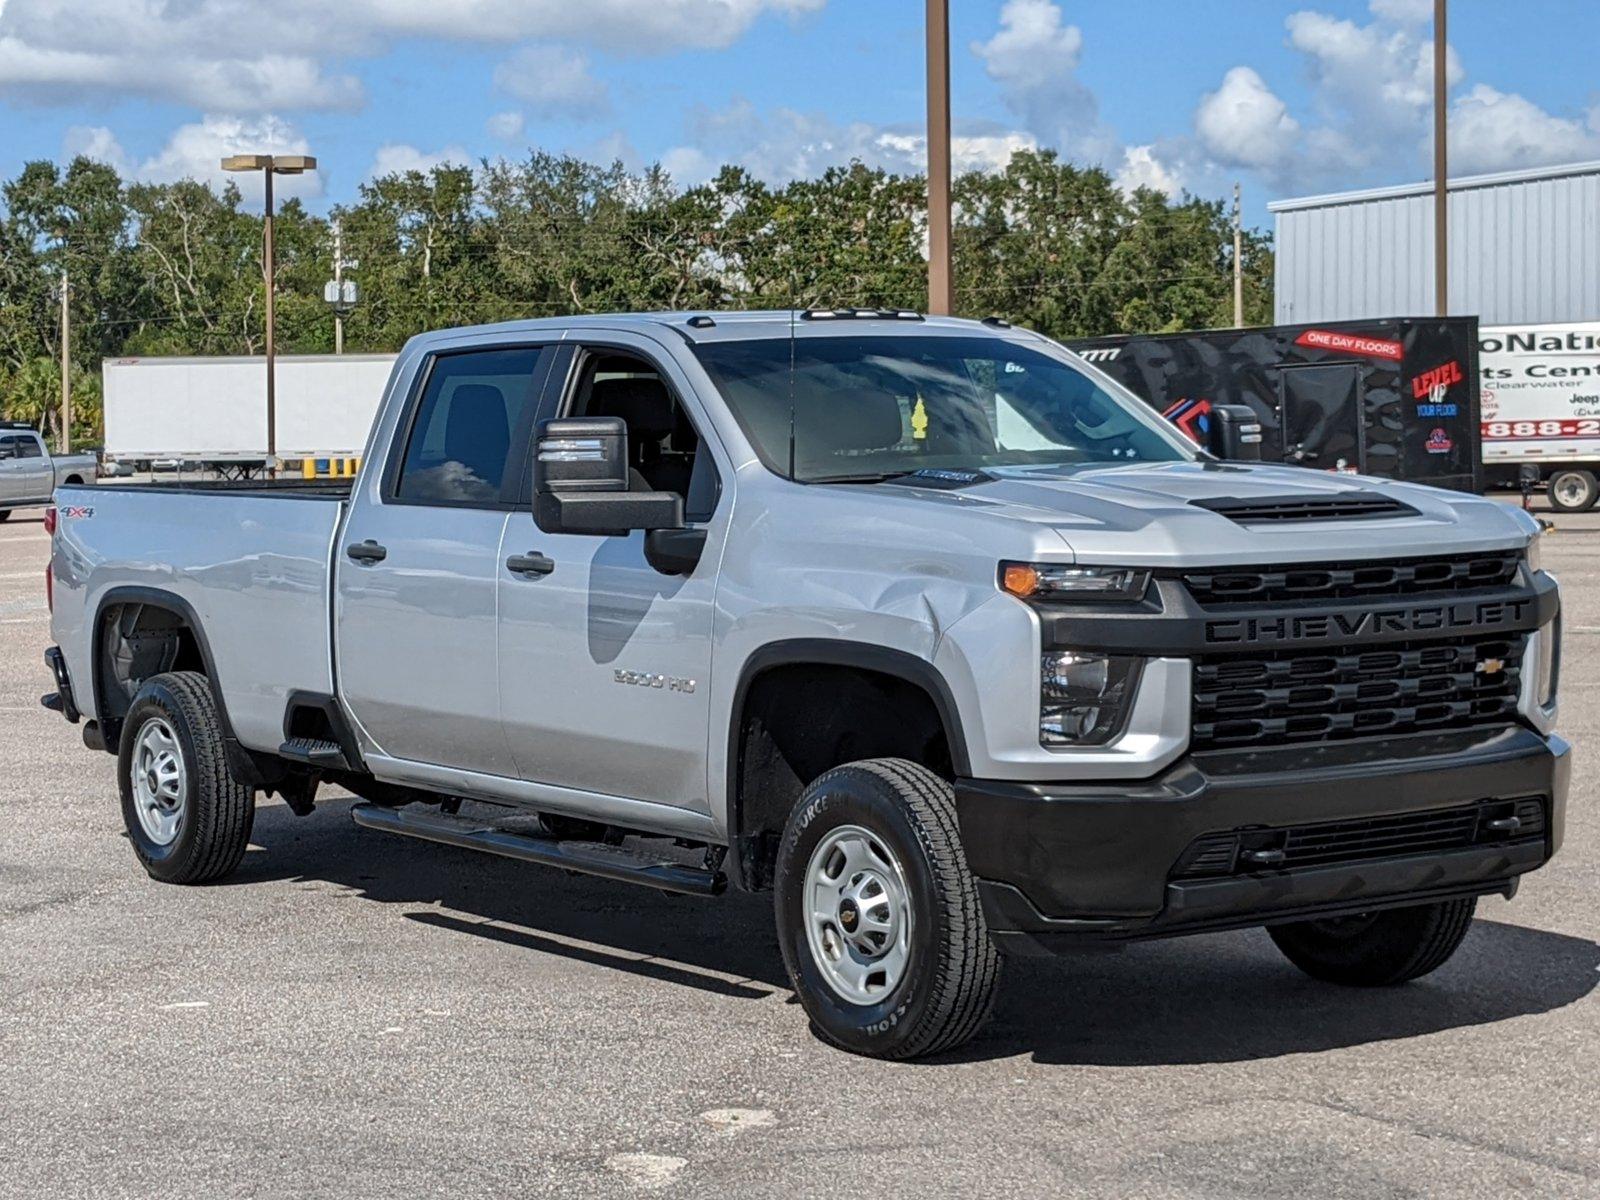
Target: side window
460, 437
9, 447
665, 451
29, 447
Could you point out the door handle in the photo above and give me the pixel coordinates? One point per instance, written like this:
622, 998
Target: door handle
367, 552
532, 563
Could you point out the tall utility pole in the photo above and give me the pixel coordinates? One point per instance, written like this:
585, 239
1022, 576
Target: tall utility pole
1238, 262
939, 289
338, 279
270, 165
64, 438
1441, 164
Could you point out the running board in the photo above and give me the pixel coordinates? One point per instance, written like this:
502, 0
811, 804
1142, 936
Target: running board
587, 858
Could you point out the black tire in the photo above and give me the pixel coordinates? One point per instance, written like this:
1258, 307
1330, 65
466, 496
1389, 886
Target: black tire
74, 481
1377, 949
947, 986
1572, 490
216, 812
5, 514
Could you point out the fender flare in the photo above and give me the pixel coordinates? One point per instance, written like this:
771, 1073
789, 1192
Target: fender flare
832, 652
245, 766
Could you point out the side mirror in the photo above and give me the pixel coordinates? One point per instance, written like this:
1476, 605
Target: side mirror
1235, 433
581, 483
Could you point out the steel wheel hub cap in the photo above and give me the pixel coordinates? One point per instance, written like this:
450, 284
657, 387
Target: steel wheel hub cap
159, 784
858, 915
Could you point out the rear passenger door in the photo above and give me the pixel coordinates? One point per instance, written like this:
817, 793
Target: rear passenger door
419, 563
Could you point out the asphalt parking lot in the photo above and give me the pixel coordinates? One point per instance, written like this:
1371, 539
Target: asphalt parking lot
357, 1015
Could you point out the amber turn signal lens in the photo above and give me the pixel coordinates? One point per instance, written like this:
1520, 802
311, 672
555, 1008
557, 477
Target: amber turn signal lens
1020, 580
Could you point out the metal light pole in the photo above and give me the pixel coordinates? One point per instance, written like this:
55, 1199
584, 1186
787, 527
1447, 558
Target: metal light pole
270, 165
1441, 176
939, 287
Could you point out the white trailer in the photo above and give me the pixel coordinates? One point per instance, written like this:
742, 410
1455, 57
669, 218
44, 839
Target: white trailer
213, 411
1541, 406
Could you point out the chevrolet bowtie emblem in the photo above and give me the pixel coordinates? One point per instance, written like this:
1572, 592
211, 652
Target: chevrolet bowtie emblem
1492, 666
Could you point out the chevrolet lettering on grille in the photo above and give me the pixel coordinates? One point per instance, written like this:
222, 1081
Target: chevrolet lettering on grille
1377, 622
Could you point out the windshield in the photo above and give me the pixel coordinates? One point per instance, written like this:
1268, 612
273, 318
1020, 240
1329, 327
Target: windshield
878, 406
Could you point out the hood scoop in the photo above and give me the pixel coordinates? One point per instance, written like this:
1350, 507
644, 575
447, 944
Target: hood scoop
1282, 510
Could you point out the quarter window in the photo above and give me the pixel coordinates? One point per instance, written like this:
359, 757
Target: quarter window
460, 439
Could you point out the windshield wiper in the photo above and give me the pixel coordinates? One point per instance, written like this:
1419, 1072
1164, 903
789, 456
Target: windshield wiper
875, 477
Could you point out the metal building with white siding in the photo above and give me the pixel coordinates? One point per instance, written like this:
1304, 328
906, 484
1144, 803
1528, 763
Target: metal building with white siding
1524, 249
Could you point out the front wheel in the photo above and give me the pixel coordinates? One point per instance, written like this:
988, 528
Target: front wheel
878, 915
1377, 949
188, 819
1573, 490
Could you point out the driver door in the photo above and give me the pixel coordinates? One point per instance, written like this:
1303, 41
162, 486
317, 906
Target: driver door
604, 661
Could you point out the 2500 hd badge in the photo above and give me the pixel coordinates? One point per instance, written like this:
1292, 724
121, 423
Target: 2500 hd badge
1378, 622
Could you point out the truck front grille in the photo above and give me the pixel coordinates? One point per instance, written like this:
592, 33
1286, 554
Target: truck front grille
1339, 581
1318, 696
1333, 843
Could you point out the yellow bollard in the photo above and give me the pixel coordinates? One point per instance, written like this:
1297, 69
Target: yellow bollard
308, 468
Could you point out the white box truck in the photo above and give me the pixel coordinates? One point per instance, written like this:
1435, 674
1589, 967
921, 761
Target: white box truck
212, 412
1540, 405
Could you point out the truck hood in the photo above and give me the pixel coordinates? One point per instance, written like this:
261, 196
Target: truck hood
1157, 513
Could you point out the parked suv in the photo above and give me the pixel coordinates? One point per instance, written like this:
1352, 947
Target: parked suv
922, 624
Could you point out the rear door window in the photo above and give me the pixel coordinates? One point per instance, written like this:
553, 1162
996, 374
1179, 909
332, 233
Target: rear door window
471, 412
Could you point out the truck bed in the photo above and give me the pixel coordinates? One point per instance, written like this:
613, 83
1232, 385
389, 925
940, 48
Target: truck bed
249, 561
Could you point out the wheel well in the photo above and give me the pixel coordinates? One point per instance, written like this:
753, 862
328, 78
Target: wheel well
78, 479
797, 721
137, 640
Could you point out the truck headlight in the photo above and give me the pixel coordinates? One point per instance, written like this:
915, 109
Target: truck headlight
1046, 582
1532, 554
1083, 697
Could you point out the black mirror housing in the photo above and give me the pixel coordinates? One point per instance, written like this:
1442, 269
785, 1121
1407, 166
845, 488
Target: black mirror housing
1235, 433
581, 483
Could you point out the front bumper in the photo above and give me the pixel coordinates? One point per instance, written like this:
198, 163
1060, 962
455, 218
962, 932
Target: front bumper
1063, 864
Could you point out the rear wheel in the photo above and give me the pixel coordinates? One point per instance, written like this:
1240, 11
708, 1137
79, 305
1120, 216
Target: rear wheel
187, 818
1377, 949
1573, 490
878, 915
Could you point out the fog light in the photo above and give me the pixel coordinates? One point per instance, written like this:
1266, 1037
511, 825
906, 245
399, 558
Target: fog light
1083, 697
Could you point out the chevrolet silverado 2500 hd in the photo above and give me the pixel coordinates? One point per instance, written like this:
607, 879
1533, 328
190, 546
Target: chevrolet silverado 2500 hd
30, 474
923, 624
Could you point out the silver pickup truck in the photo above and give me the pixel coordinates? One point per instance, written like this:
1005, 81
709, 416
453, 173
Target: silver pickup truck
30, 474
923, 624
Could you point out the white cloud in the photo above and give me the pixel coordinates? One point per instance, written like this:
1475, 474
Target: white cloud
553, 81
784, 144
189, 50
1034, 57
221, 83
1492, 130
1243, 124
1142, 167
1369, 118
506, 126
95, 142
196, 151
396, 158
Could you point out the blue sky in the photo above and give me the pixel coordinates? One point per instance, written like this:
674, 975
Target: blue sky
1290, 98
